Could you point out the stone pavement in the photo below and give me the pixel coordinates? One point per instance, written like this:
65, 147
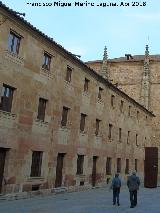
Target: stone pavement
91, 201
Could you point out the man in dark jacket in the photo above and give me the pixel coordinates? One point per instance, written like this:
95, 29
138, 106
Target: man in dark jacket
116, 185
133, 183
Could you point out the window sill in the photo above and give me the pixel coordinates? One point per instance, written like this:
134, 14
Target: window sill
80, 175
83, 132
41, 123
85, 93
45, 72
14, 57
7, 115
100, 101
30, 179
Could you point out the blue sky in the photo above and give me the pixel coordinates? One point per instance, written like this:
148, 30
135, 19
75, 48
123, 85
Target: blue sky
86, 30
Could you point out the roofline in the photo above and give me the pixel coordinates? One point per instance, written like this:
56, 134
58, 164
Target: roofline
91, 71
122, 59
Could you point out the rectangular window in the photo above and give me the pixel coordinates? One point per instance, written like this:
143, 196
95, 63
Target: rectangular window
46, 61
136, 139
36, 164
41, 109
118, 165
120, 134
82, 122
128, 136
110, 131
80, 161
100, 93
97, 126
136, 165
127, 167
14, 42
86, 83
6, 98
121, 106
112, 100
64, 116
137, 115
109, 166
68, 74
129, 111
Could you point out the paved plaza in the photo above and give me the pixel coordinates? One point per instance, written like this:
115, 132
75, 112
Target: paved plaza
91, 201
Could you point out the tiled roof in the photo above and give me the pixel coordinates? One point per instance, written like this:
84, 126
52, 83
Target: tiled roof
91, 71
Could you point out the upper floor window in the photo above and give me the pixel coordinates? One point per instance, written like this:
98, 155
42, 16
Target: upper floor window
112, 100
41, 109
14, 42
68, 74
6, 98
36, 164
100, 93
128, 136
137, 114
46, 61
64, 116
86, 84
110, 131
136, 139
97, 126
121, 106
82, 122
120, 134
80, 161
129, 111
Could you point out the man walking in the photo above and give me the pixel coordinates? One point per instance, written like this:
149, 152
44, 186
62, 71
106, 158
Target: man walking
133, 183
116, 185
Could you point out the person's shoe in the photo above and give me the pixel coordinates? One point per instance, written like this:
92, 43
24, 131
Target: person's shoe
131, 206
118, 204
114, 204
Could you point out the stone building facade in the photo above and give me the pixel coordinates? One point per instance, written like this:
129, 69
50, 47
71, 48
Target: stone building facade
62, 124
138, 76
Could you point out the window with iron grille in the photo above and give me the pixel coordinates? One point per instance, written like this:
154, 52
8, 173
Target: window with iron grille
100, 93
118, 165
14, 42
68, 74
46, 61
127, 167
80, 161
36, 164
86, 84
136, 165
109, 166
6, 98
64, 116
97, 126
112, 100
82, 122
128, 136
110, 131
41, 109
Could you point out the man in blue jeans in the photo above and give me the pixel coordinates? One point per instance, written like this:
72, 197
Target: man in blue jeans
116, 185
133, 183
